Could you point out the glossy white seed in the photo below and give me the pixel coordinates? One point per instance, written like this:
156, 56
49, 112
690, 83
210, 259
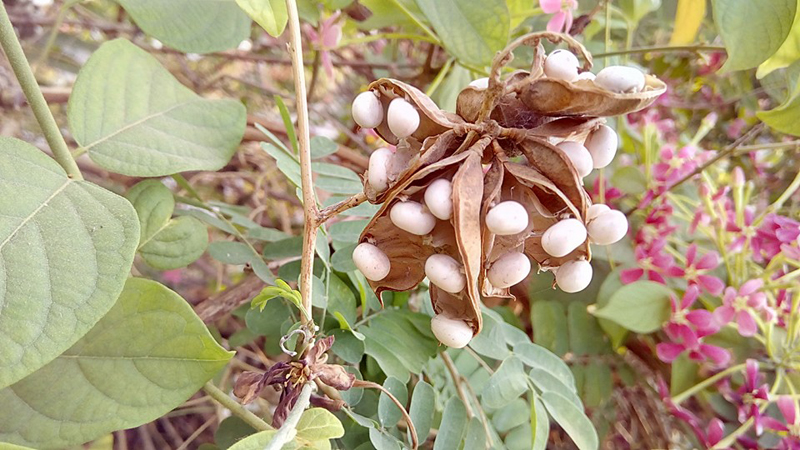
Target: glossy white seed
574, 276
507, 218
377, 175
563, 237
439, 199
580, 157
509, 270
446, 273
412, 217
451, 332
586, 76
367, 110
595, 210
608, 227
602, 145
480, 83
371, 261
561, 64
620, 79
402, 118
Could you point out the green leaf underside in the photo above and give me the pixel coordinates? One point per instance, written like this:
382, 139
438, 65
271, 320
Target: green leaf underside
572, 419
784, 117
134, 118
191, 26
142, 359
398, 345
66, 248
270, 14
318, 424
642, 306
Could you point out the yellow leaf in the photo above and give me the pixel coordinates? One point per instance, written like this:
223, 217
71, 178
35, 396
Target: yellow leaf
787, 53
688, 19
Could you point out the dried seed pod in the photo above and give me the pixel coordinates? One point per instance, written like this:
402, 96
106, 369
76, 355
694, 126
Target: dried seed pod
439, 199
452, 332
446, 273
367, 110
378, 173
602, 144
563, 237
412, 217
402, 118
371, 261
509, 269
620, 79
579, 155
574, 276
608, 227
507, 218
562, 65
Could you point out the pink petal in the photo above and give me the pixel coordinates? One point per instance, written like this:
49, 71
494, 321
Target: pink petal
713, 285
628, 276
568, 24
689, 297
708, 261
667, 351
747, 325
751, 374
675, 272
700, 318
691, 253
757, 301
718, 355
655, 276
550, 6
730, 296
786, 405
723, 315
750, 286
556, 23
327, 64
774, 424
715, 431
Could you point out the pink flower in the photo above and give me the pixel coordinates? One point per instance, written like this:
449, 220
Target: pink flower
328, 37
739, 304
744, 232
749, 395
562, 14
791, 426
652, 261
685, 339
684, 316
695, 272
612, 193
777, 234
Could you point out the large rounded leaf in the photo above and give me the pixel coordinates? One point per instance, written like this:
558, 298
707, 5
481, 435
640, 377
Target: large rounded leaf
66, 248
135, 118
145, 357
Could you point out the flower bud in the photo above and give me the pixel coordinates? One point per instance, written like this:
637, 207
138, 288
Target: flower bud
608, 227
507, 218
402, 118
574, 276
451, 332
509, 269
371, 261
367, 110
602, 145
580, 157
595, 210
563, 237
439, 199
412, 217
446, 273
586, 76
562, 65
480, 83
620, 79
378, 176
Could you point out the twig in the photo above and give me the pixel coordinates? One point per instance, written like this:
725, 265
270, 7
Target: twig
196, 433
235, 408
287, 431
343, 205
226, 301
16, 58
665, 48
448, 362
373, 385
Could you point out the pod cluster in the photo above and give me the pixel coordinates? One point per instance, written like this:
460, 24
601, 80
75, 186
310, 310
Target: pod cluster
472, 200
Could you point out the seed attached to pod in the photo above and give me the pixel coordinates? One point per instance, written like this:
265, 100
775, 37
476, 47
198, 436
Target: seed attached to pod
446, 273
563, 237
439, 199
507, 218
602, 145
608, 227
509, 270
412, 217
562, 65
574, 276
480, 83
586, 76
367, 110
402, 118
580, 157
371, 261
378, 176
595, 210
451, 332
620, 79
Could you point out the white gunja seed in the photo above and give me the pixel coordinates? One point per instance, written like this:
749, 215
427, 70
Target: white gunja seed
439, 199
561, 65
595, 210
579, 156
367, 110
608, 227
574, 276
507, 218
602, 145
371, 261
412, 217
586, 76
378, 173
450, 331
563, 237
620, 79
402, 118
446, 273
509, 269
480, 83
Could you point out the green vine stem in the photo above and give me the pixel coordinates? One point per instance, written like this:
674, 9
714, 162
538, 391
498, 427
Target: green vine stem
23, 72
705, 383
235, 408
662, 49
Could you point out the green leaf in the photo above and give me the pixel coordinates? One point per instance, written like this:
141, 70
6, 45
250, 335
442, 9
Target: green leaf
506, 384
66, 248
230, 252
259, 441
471, 31
231, 430
347, 346
322, 147
753, 30
630, 180
317, 424
383, 441
475, 437
454, 423
788, 53
615, 332
145, 357
422, 408
399, 347
270, 14
547, 382
784, 117
192, 26
348, 231
149, 125
286, 163
336, 179
641, 307
446, 94
572, 419
539, 357
342, 259
388, 412
510, 416
265, 234
550, 329
540, 424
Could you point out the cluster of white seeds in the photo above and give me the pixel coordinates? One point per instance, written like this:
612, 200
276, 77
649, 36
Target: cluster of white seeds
563, 65
401, 116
